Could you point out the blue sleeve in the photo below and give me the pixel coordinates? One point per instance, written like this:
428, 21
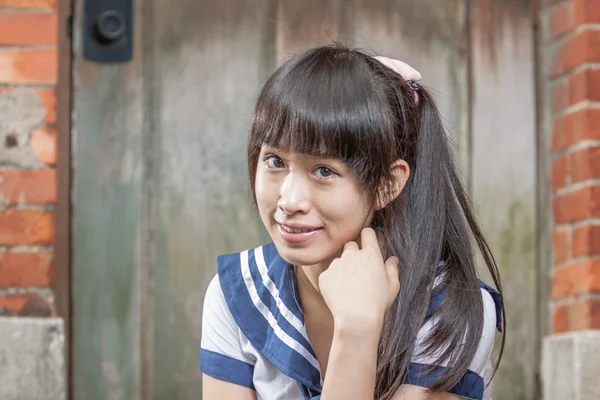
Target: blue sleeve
470, 386
226, 368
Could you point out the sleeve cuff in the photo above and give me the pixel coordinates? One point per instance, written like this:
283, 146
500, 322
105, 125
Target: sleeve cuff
226, 368
470, 385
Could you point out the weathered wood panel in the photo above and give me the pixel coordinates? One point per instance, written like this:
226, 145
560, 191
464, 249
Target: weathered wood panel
160, 183
209, 61
504, 173
430, 35
107, 223
301, 25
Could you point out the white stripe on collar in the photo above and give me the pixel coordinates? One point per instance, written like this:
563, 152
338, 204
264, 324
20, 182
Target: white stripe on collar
268, 315
270, 285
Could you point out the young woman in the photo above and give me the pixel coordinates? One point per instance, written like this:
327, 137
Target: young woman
369, 289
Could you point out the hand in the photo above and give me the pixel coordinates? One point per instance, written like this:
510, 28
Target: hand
359, 287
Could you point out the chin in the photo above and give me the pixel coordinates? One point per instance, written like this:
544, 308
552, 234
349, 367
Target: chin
302, 255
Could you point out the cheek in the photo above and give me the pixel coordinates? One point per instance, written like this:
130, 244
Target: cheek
348, 209
265, 190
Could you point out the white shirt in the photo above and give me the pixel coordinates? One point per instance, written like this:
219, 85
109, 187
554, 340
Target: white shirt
253, 333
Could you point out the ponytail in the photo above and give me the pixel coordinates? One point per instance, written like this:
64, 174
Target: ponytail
434, 221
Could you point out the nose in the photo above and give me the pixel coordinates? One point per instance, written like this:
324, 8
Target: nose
293, 195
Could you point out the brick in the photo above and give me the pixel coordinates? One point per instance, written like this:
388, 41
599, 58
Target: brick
48, 97
562, 133
566, 17
43, 144
585, 164
577, 49
586, 240
560, 172
28, 65
560, 319
26, 28
577, 205
25, 269
29, 3
584, 85
38, 306
561, 245
585, 12
11, 304
576, 279
576, 126
560, 20
27, 186
560, 96
26, 227
584, 315
26, 305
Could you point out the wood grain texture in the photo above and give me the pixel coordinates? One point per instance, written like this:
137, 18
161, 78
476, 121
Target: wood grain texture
209, 60
160, 184
107, 222
431, 36
504, 175
302, 25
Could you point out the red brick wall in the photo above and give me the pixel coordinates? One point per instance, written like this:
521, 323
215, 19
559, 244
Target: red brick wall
574, 77
28, 75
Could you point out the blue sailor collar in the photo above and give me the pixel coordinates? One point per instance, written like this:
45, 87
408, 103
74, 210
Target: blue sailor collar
262, 295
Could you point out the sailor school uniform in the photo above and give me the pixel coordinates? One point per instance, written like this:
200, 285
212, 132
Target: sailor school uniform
253, 333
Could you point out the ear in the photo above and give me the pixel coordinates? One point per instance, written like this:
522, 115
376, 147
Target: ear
391, 187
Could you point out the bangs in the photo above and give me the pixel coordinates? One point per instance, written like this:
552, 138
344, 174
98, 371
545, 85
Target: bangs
321, 104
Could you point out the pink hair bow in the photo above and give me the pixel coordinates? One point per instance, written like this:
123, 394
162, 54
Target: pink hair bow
411, 75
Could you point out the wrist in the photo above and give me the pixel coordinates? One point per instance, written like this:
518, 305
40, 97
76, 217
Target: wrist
360, 328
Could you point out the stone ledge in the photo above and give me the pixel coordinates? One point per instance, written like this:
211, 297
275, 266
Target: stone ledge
571, 366
32, 358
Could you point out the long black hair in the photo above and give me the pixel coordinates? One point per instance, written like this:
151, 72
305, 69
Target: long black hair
332, 101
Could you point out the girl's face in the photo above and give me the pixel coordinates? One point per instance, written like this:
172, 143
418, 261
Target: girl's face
311, 207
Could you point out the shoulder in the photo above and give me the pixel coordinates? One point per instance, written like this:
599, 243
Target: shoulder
214, 300
219, 328
423, 370
222, 354
491, 323
492, 319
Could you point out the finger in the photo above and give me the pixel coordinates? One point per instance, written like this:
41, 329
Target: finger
391, 269
351, 246
368, 239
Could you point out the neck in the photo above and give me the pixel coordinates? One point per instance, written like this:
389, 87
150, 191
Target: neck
308, 277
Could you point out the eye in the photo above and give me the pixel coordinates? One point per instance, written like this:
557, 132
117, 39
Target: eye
272, 161
324, 172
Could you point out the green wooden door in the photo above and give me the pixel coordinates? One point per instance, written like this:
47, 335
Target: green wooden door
160, 181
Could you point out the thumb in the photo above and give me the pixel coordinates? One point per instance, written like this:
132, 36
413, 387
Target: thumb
391, 269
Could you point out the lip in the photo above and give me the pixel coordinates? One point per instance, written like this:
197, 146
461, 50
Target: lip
296, 238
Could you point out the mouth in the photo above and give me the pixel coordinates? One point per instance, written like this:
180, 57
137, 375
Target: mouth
295, 234
291, 229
